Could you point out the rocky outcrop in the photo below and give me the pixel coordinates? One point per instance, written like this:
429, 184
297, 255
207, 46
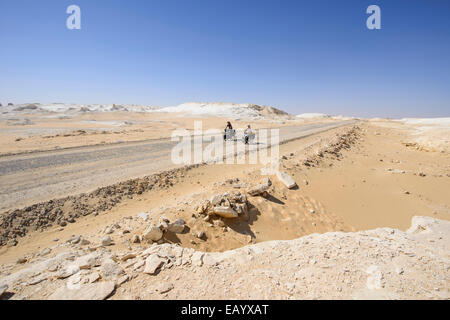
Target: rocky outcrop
383, 263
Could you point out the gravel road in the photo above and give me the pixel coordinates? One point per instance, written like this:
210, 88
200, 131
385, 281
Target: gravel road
41, 176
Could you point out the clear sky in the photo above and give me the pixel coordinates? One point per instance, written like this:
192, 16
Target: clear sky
300, 56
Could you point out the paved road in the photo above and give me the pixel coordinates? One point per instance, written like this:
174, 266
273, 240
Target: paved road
40, 176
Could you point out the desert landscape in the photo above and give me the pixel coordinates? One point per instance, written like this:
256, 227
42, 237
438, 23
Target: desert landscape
92, 207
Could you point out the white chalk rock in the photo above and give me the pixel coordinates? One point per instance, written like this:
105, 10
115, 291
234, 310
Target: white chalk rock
152, 264
225, 212
177, 226
153, 233
259, 189
92, 291
287, 180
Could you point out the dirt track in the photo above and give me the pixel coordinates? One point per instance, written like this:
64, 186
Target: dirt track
30, 178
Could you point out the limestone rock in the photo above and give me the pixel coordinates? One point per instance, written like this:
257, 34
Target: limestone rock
153, 263
287, 180
107, 241
143, 216
197, 258
92, 291
225, 212
111, 270
153, 233
177, 227
260, 189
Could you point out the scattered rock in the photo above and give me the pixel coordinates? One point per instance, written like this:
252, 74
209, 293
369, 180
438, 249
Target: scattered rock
21, 260
225, 212
153, 263
93, 277
164, 287
92, 291
200, 235
177, 227
74, 239
67, 272
136, 239
286, 179
45, 252
122, 280
260, 189
152, 233
128, 256
107, 241
143, 215
109, 230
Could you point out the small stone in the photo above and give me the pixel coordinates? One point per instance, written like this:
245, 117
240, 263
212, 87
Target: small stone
136, 239
200, 235
67, 272
165, 287
225, 212
286, 179
74, 239
45, 252
260, 189
122, 280
21, 260
107, 241
109, 230
12, 243
177, 227
153, 233
128, 256
93, 277
219, 223
152, 264
143, 216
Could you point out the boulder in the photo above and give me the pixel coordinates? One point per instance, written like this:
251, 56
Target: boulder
153, 263
92, 291
153, 233
88, 261
286, 179
177, 227
225, 212
260, 189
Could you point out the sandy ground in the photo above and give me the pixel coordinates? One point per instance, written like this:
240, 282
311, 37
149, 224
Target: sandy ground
375, 180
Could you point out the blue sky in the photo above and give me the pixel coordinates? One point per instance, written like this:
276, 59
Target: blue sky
300, 56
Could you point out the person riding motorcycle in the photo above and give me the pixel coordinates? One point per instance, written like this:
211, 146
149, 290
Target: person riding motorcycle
228, 127
247, 134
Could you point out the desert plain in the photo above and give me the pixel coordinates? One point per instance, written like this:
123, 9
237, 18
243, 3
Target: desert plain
92, 207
